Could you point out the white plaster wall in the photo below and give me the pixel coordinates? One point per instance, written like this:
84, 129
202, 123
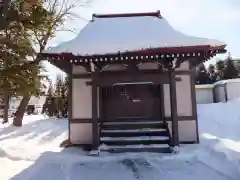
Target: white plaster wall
81, 133
79, 69
233, 90
220, 94
114, 67
187, 130
184, 100
204, 95
76, 69
183, 66
82, 99
146, 66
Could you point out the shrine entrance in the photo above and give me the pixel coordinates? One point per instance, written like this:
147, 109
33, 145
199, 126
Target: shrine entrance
129, 101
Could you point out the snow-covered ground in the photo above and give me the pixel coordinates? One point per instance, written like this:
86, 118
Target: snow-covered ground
33, 153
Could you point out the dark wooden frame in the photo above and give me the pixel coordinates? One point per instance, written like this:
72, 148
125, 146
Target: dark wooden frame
109, 79
173, 104
102, 79
95, 133
167, 119
193, 97
97, 121
70, 101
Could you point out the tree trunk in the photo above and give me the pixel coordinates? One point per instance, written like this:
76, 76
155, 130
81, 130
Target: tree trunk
17, 121
6, 107
5, 93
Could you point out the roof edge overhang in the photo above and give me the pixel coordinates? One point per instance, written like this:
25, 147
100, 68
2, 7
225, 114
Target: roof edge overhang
165, 50
199, 53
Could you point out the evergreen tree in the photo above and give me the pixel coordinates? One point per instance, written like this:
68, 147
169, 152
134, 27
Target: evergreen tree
65, 96
229, 71
59, 93
15, 47
213, 76
56, 13
237, 64
49, 105
4, 5
219, 69
202, 75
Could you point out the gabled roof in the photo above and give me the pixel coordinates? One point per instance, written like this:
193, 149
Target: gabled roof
114, 33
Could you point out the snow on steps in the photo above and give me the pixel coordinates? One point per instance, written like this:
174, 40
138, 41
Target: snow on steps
156, 148
133, 122
135, 136
134, 140
134, 132
132, 125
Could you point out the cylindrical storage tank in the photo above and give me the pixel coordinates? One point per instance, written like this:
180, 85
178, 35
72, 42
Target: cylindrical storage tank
204, 94
226, 90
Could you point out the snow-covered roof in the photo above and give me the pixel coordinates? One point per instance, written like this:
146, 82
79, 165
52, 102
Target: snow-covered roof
110, 35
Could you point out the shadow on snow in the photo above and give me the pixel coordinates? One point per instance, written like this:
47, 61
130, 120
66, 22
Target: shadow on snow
74, 164
50, 128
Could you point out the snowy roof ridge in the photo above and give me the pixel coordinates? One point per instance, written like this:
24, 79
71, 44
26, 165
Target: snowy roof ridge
155, 14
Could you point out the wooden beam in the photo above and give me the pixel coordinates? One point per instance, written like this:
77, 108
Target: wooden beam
100, 104
129, 119
194, 100
124, 78
64, 66
173, 103
103, 84
95, 133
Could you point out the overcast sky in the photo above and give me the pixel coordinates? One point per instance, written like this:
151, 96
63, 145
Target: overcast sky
218, 19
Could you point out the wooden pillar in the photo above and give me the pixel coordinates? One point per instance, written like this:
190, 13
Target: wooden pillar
70, 101
173, 103
100, 104
95, 133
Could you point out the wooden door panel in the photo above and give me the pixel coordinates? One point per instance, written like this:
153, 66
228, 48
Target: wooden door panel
134, 100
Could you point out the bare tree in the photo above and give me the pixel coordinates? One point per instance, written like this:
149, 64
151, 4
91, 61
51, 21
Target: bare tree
58, 13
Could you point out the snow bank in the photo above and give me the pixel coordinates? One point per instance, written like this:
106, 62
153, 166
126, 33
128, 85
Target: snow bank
236, 80
220, 119
36, 136
204, 86
219, 125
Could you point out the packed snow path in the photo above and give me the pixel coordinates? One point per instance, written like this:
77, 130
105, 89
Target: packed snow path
32, 153
123, 168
